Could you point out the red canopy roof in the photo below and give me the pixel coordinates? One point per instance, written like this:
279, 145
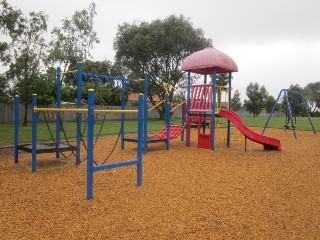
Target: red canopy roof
204, 61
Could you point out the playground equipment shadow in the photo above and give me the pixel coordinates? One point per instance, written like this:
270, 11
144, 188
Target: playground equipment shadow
187, 193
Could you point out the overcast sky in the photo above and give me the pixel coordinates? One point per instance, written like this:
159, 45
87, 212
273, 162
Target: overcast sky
275, 43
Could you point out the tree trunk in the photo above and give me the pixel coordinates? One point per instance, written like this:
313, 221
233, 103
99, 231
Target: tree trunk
161, 114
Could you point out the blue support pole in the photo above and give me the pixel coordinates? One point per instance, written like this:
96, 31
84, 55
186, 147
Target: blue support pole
16, 128
272, 111
78, 116
229, 107
123, 88
34, 134
182, 122
305, 109
167, 120
141, 104
90, 168
188, 113
145, 113
213, 117
58, 105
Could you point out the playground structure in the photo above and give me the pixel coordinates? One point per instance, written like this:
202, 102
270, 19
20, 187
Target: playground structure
58, 147
168, 132
291, 116
204, 100
165, 135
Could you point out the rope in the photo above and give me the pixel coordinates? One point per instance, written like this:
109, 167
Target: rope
65, 137
113, 148
53, 139
96, 140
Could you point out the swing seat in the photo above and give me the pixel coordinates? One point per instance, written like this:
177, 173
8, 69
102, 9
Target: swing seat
47, 148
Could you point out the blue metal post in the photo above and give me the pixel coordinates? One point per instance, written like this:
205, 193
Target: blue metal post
58, 105
229, 107
34, 133
123, 88
90, 169
305, 108
78, 116
16, 128
213, 117
273, 109
182, 122
140, 138
145, 114
167, 120
188, 113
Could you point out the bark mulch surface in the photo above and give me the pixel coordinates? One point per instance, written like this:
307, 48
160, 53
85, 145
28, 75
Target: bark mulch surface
187, 193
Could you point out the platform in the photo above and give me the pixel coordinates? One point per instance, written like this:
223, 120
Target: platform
149, 140
47, 148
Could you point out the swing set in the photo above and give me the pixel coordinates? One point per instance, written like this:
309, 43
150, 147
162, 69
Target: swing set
57, 145
291, 116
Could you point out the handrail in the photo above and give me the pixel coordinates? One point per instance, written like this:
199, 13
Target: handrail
67, 72
178, 105
82, 110
156, 105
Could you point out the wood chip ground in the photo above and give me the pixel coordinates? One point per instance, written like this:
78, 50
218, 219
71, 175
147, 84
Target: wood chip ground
187, 193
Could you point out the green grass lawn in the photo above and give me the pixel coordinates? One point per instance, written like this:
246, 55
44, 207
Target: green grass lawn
111, 127
302, 123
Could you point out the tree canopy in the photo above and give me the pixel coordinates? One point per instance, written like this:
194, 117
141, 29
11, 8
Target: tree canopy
312, 96
27, 55
257, 97
236, 101
72, 42
158, 48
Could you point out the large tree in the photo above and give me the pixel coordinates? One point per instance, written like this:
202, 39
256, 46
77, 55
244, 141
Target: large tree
11, 26
72, 42
236, 101
256, 98
270, 101
294, 101
312, 96
27, 55
158, 48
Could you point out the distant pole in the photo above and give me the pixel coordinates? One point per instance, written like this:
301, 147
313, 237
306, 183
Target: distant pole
123, 87
167, 120
141, 116
58, 105
230, 99
214, 99
90, 167
34, 133
188, 112
78, 116
16, 128
145, 113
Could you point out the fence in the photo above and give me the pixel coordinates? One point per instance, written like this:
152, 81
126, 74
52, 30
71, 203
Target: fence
7, 113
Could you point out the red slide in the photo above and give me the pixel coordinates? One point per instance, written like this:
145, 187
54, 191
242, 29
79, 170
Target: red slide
267, 142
